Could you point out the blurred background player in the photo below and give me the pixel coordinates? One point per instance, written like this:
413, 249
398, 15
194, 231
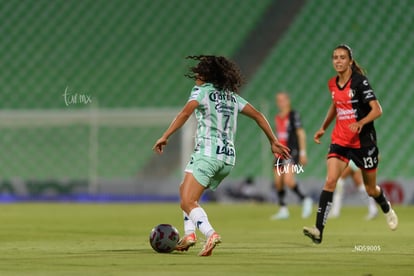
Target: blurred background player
216, 104
355, 173
245, 190
290, 133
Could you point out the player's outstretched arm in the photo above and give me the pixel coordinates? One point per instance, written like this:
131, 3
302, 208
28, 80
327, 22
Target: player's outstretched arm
177, 123
276, 146
301, 134
330, 115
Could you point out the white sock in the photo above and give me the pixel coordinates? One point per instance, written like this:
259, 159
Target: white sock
340, 186
363, 194
199, 218
189, 226
337, 197
369, 201
283, 209
361, 188
372, 206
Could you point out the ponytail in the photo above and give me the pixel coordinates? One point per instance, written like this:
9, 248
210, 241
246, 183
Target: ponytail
357, 68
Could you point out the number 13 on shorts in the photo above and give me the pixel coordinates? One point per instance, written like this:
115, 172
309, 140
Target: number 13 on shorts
369, 162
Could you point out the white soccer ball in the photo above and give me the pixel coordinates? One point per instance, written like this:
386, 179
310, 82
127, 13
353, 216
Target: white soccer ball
164, 238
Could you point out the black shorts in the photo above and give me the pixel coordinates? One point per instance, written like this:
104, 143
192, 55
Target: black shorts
294, 153
365, 158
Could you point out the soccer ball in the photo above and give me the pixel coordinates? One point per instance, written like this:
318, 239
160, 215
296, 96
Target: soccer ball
163, 238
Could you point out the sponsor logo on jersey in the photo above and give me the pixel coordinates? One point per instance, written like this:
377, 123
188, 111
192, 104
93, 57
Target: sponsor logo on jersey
351, 93
365, 82
225, 150
346, 114
282, 135
218, 96
368, 94
223, 108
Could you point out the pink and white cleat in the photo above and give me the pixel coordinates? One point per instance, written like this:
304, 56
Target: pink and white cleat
186, 242
211, 243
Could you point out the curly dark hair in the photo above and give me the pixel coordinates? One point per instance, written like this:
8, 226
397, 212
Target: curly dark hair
218, 70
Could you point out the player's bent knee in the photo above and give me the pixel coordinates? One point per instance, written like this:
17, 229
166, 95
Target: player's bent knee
330, 185
187, 205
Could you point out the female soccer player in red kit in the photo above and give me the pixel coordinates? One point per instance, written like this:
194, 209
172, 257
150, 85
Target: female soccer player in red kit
355, 107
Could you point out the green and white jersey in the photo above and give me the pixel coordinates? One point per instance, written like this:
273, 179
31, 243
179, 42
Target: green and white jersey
216, 122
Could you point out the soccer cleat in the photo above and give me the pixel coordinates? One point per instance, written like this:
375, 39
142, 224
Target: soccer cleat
307, 207
282, 214
208, 247
313, 233
186, 242
392, 219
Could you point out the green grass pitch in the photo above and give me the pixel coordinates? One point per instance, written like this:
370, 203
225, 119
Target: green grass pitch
112, 239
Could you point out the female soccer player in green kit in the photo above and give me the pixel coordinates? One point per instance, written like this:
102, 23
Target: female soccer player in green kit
216, 104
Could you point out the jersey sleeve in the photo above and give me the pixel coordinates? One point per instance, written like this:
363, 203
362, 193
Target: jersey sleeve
241, 102
196, 94
297, 122
367, 93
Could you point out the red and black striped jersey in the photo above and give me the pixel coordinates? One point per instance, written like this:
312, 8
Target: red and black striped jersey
352, 104
285, 128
